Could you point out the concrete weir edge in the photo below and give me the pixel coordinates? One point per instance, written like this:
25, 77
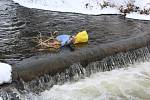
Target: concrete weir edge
29, 69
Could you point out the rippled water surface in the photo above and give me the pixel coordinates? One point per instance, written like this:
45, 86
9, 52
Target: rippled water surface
19, 26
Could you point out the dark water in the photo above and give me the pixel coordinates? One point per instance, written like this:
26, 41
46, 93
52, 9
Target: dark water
19, 26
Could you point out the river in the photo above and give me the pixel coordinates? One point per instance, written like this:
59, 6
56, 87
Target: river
19, 26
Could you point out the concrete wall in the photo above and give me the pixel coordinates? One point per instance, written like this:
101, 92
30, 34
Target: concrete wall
30, 68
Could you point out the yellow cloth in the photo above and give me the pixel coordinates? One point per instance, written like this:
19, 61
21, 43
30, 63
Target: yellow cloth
81, 37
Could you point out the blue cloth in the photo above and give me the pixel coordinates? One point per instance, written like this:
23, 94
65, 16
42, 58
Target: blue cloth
64, 39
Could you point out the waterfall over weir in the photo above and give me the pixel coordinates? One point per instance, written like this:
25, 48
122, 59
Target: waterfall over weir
25, 90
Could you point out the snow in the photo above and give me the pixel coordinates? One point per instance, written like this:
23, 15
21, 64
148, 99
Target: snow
142, 3
109, 10
5, 73
87, 6
118, 3
77, 6
1, 98
138, 16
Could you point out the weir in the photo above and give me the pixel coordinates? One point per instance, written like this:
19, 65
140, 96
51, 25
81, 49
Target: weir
32, 68
75, 72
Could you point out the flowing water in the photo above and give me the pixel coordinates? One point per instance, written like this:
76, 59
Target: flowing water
124, 84
122, 76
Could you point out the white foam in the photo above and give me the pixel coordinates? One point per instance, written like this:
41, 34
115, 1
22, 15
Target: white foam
5, 73
135, 15
132, 83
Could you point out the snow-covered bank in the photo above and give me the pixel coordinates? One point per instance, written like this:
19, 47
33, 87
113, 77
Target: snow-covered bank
76, 6
138, 16
95, 7
5, 73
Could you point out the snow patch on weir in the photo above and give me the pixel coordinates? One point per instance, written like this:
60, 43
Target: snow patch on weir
5, 73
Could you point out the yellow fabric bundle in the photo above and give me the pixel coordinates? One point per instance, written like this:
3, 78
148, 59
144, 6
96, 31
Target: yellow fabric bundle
81, 37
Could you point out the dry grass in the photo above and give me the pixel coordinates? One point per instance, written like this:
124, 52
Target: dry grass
48, 42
